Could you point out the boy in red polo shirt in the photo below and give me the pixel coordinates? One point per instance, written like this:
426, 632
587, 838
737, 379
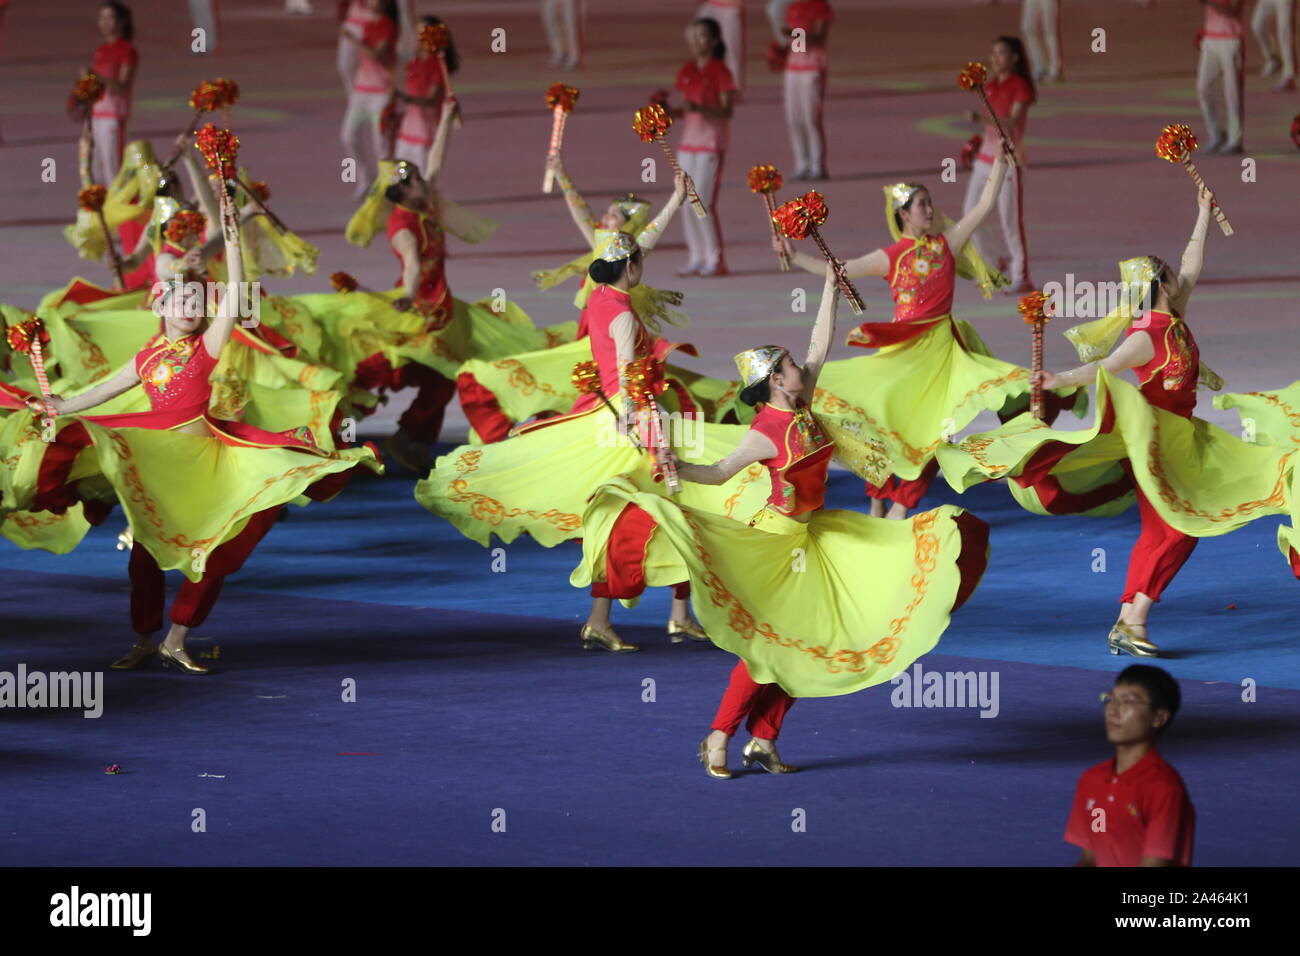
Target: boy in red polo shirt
1133, 810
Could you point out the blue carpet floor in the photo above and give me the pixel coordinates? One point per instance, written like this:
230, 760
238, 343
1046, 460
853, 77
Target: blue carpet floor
474, 705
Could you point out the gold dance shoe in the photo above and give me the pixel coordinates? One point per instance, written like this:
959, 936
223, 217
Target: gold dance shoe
1123, 638
181, 661
592, 638
767, 759
717, 773
133, 658
679, 632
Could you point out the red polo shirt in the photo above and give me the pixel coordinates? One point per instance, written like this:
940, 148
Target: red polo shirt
704, 87
109, 60
1004, 94
1148, 813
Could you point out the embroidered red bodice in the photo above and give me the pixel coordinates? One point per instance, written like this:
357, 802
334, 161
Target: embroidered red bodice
1168, 381
802, 459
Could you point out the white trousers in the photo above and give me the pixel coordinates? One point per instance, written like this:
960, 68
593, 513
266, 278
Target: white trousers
731, 20
703, 236
1221, 59
561, 19
1280, 45
805, 92
348, 56
1011, 207
362, 140
107, 157
1040, 22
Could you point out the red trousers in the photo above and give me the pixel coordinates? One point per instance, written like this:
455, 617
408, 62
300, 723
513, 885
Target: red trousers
625, 558
196, 598
1157, 556
764, 704
906, 493
423, 420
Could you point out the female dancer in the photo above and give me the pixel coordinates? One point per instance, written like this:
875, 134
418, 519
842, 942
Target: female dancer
1011, 92
418, 335
1145, 444
497, 394
538, 481
371, 88
423, 97
896, 393
778, 597
115, 64
805, 86
199, 492
708, 90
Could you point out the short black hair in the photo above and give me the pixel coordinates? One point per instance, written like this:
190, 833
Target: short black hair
1159, 685
606, 272
394, 193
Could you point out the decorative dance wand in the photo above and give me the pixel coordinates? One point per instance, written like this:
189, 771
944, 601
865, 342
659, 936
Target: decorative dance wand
766, 180
1176, 144
91, 199
650, 123
259, 192
220, 150
28, 338
435, 38
561, 100
1033, 309
586, 379
86, 92
799, 219
972, 78
1295, 131
640, 377
208, 97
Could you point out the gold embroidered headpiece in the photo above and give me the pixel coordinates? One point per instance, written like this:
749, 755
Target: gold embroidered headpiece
900, 193
630, 205
620, 246
755, 365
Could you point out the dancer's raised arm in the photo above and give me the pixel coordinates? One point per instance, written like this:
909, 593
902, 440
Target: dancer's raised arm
649, 236
959, 233
1189, 269
579, 209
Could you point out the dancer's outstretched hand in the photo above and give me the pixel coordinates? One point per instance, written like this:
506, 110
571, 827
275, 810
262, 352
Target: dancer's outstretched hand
1044, 379
1205, 198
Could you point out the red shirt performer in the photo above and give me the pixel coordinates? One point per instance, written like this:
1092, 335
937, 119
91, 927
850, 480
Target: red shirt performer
1134, 810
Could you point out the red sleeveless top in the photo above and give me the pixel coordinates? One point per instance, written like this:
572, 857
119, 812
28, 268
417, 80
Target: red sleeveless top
803, 456
175, 376
604, 305
431, 292
1168, 381
922, 277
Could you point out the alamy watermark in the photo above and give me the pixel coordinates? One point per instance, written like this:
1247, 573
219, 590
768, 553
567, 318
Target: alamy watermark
82, 690
1092, 300
922, 688
196, 297
680, 430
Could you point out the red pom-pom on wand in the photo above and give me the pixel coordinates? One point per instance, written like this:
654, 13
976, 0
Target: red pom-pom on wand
650, 123
972, 79
765, 180
799, 219
1176, 144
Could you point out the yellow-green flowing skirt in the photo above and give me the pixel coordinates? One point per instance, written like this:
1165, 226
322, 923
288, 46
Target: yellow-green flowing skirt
538, 482
184, 495
822, 607
909, 399
1201, 479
